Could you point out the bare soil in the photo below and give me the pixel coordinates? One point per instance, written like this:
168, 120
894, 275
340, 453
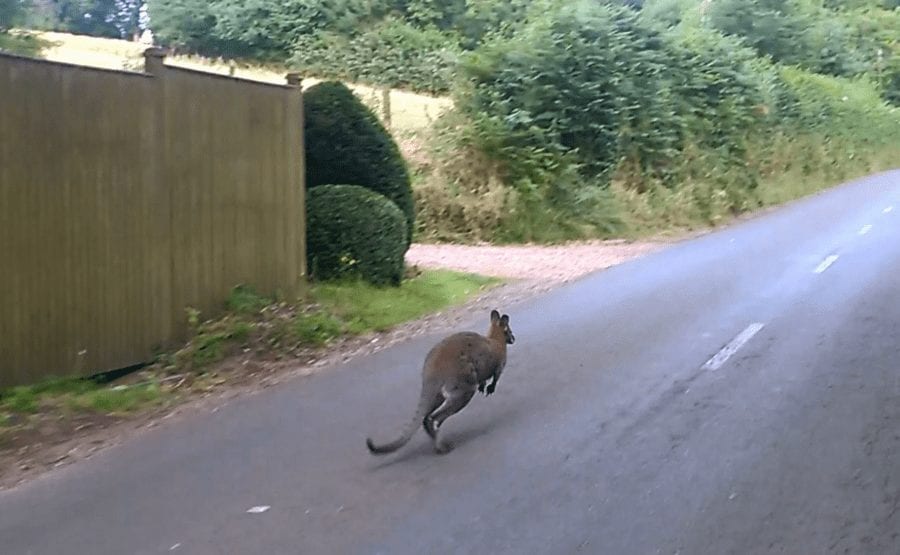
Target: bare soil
55, 440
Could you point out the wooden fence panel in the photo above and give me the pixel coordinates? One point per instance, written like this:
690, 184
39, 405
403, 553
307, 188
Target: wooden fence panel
125, 197
228, 209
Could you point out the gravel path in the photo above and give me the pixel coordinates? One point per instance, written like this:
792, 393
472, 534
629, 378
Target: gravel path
553, 264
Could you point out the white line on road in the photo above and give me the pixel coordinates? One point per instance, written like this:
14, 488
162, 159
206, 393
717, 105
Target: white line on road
865, 229
826, 263
888, 209
727, 351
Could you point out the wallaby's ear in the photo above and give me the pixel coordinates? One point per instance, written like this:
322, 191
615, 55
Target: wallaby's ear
495, 316
504, 319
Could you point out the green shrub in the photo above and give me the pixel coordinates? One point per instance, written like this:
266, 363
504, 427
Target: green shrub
354, 232
596, 86
345, 143
599, 120
260, 29
552, 87
842, 108
393, 54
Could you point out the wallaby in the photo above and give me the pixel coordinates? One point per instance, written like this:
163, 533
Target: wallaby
453, 370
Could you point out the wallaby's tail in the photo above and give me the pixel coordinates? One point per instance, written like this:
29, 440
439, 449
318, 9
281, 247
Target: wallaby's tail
425, 405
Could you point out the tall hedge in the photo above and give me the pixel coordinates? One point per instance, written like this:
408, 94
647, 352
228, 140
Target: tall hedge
354, 232
345, 143
602, 85
394, 54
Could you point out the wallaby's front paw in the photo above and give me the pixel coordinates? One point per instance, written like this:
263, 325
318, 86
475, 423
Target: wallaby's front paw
481, 387
490, 389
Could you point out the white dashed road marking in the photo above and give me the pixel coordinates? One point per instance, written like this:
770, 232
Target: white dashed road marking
825, 264
728, 351
865, 229
888, 209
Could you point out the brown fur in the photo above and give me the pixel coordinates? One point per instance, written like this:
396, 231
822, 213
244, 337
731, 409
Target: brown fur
453, 370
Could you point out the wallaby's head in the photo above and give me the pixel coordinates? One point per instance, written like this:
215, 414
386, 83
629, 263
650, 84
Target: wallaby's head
500, 327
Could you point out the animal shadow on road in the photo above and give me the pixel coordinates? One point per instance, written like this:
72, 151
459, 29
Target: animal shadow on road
460, 436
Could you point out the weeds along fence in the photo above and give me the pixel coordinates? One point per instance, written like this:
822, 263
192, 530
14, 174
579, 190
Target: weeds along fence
127, 197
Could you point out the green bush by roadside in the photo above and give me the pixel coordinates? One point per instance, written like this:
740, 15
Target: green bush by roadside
345, 143
354, 232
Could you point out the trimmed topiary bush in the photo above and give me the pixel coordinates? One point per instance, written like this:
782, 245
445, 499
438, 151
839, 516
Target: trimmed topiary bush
354, 232
345, 143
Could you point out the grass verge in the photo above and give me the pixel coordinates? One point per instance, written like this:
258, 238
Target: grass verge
76, 394
253, 327
362, 308
333, 310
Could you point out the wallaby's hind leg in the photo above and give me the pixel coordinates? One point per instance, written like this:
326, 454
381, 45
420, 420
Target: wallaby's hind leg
430, 429
428, 422
453, 403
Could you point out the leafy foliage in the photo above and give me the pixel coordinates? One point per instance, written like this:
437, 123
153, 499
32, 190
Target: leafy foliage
14, 13
263, 29
267, 28
586, 99
346, 144
186, 24
393, 54
830, 38
571, 115
101, 18
601, 85
11, 14
354, 232
774, 28
877, 35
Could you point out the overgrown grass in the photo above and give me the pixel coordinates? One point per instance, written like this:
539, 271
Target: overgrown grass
23, 44
117, 399
75, 394
252, 323
784, 169
362, 307
462, 195
333, 309
314, 327
794, 179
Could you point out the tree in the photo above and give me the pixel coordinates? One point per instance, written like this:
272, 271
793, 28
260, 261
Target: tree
101, 18
185, 24
126, 17
266, 29
772, 27
11, 13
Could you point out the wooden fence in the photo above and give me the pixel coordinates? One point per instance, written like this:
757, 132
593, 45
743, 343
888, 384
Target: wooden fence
127, 197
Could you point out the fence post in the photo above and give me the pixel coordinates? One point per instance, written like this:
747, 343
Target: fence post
155, 61
155, 65
294, 79
386, 106
296, 139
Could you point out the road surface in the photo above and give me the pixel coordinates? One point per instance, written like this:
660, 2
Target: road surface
737, 393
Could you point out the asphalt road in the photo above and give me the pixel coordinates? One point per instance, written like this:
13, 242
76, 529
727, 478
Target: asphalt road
738, 393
